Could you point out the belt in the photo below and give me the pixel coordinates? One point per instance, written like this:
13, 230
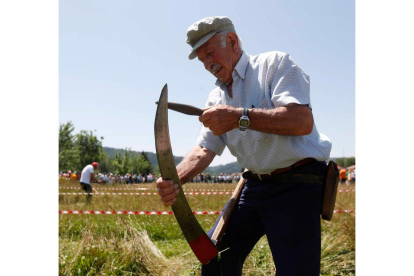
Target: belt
249, 174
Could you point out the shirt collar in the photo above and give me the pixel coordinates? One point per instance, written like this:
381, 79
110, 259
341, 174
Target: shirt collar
240, 68
242, 65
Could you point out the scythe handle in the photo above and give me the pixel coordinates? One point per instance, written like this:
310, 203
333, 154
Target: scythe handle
227, 212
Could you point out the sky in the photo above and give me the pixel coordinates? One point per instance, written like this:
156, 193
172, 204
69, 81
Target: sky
115, 57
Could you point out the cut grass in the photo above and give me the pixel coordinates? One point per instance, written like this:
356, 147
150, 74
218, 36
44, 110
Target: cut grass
154, 244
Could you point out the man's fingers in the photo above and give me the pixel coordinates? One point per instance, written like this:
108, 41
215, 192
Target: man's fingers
170, 198
171, 202
205, 116
164, 183
168, 190
207, 123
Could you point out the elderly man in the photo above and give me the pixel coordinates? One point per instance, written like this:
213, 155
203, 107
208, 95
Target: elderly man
261, 110
87, 177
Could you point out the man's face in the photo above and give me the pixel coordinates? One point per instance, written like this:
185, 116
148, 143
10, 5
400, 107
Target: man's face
217, 60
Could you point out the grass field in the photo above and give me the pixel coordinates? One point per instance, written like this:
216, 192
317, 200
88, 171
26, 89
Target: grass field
111, 244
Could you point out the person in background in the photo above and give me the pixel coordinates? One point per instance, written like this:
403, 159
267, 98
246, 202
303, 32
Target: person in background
87, 177
69, 174
104, 178
150, 177
110, 179
73, 177
342, 175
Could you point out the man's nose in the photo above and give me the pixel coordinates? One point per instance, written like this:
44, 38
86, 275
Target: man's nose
207, 64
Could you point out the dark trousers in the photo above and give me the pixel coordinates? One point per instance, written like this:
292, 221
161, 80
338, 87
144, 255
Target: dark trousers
287, 213
88, 189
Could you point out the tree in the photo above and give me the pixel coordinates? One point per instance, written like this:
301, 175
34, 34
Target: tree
106, 165
345, 162
147, 168
117, 163
135, 164
68, 154
144, 166
89, 148
126, 162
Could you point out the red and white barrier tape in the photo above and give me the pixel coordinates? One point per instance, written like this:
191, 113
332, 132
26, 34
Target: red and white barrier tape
213, 193
98, 188
155, 212
196, 192
185, 190
132, 212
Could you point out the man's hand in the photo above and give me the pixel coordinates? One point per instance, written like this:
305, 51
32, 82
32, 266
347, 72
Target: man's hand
221, 118
168, 190
196, 161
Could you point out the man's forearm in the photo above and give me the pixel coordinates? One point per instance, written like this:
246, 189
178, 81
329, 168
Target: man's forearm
293, 119
195, 162
289, 120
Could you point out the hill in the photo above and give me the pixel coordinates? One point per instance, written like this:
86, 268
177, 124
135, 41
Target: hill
151, 156
228, 168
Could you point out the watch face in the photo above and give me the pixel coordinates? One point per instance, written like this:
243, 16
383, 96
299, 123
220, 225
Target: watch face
244, 123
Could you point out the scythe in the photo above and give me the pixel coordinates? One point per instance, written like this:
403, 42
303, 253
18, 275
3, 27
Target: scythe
200, 243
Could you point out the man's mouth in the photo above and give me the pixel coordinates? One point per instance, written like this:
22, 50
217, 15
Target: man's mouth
217, 68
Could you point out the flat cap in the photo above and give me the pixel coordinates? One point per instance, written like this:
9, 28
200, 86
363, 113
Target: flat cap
201, 31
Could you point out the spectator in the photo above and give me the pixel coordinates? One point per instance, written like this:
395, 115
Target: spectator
104, 178
86, 179
342, 175
73, 177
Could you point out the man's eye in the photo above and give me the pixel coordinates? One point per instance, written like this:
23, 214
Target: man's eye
210, 53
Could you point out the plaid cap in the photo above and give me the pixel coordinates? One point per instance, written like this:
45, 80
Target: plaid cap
201, 31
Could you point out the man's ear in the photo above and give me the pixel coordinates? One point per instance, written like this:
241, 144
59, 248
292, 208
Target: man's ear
234, 41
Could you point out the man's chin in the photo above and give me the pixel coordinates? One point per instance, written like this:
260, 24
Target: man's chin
225, 80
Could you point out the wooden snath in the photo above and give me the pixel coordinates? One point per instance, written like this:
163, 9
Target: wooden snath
200, 243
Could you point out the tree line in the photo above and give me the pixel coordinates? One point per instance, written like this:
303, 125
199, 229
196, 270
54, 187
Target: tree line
346, 161
78, 150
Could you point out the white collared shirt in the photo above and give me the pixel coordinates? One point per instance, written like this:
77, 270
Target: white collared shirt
267, 81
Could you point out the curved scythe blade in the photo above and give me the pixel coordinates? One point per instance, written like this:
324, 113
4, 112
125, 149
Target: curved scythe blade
198, 240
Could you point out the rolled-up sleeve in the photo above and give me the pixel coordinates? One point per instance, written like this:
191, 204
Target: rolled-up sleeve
290, 84
207, 139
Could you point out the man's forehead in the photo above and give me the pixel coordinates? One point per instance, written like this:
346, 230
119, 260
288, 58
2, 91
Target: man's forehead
211, 43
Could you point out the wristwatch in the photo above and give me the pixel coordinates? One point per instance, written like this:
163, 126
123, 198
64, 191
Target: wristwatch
244, 120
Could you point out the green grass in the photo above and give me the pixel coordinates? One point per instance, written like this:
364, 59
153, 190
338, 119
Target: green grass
154, 245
